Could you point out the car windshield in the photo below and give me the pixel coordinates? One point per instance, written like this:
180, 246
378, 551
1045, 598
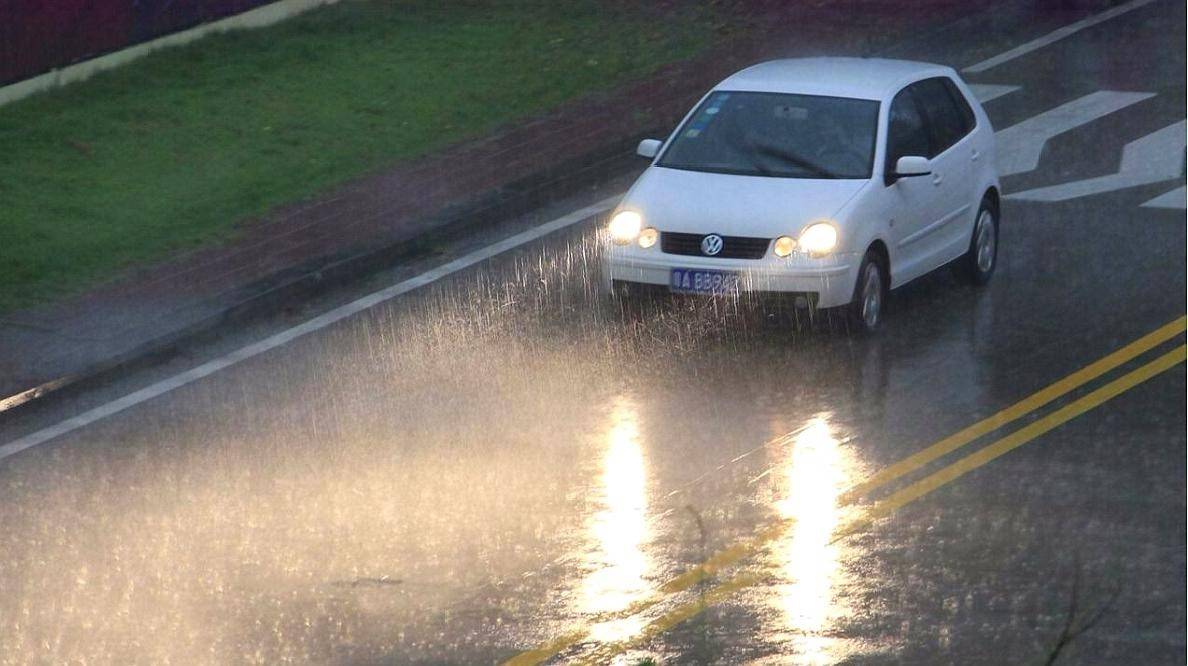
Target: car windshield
775, 134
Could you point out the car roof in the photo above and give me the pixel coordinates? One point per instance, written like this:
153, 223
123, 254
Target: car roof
861, 78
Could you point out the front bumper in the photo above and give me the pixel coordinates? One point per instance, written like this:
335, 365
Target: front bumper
830, 278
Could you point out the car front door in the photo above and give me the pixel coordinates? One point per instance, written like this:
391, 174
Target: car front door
915, 202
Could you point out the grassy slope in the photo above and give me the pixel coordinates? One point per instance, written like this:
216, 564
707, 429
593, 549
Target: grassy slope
173, 150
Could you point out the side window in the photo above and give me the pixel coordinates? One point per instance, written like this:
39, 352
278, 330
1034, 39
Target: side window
968, 120
946, 125
906, 133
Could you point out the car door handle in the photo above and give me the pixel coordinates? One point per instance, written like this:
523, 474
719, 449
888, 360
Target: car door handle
937, 178
973, 157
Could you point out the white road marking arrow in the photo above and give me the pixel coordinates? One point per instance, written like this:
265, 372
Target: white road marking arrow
1157, 157
1173, 199
1020, 146
988, 91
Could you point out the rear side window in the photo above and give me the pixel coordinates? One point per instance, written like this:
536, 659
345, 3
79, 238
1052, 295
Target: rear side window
967, 114
906, 131
946, 123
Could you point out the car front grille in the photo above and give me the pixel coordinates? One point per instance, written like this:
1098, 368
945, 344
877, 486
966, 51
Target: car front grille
733, 247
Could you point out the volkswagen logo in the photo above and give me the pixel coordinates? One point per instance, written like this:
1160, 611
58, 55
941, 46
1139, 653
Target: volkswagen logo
711, 244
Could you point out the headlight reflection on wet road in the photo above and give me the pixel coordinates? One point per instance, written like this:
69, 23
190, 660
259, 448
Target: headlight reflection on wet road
808, 482
619, 530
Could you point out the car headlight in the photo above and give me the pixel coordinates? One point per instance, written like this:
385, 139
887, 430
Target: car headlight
625, 226
783, 246
818, 238
648, 237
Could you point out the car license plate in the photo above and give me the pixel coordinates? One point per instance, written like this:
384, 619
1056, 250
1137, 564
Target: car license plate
702, 282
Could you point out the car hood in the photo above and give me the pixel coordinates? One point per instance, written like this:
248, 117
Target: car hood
703, 203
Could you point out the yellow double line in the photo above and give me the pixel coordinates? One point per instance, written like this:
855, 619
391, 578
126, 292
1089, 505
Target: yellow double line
732, 555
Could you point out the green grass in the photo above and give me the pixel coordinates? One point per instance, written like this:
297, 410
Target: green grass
175, 149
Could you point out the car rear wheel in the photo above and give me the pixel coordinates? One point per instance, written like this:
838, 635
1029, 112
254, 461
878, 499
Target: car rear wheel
867, 307
977, 265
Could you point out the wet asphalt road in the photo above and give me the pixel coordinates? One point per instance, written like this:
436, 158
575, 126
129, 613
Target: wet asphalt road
506, 459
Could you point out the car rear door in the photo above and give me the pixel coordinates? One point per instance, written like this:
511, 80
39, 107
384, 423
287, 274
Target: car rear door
915, 203
953, 153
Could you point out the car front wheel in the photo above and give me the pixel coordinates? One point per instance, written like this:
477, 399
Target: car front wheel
870, 294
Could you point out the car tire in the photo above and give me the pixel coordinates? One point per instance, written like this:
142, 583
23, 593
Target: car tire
977, 265
865, 311
627, 297
623, 291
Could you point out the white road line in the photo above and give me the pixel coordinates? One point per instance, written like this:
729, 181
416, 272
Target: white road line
1020, 146
1055, 36
317, 323
988, 91
1173, 199
1157, 157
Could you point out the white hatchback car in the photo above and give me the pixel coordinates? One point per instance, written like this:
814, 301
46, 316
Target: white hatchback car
832, 178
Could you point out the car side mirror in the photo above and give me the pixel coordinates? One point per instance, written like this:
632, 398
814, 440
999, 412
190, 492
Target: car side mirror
648, 148
912, 165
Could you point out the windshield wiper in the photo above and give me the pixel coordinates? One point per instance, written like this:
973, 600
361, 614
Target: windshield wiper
771, 151
711, 169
